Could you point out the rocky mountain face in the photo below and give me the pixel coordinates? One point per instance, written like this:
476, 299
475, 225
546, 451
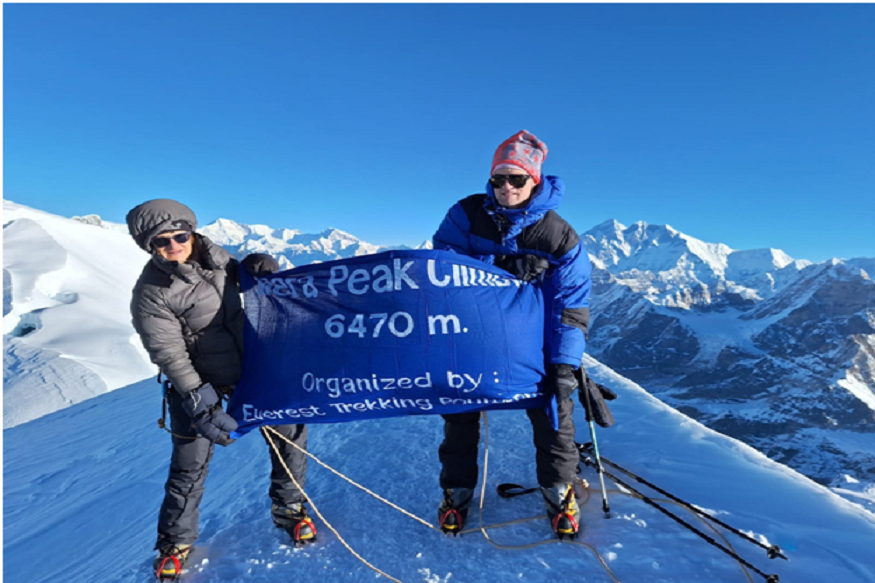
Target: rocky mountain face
776, 352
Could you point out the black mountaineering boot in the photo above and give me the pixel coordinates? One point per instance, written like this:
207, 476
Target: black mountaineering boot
294, 520
453, 510
562, 510
168, 564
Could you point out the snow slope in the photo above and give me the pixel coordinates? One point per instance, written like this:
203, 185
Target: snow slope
66, 317
83, 485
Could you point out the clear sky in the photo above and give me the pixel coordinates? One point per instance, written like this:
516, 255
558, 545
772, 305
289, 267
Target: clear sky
747, 124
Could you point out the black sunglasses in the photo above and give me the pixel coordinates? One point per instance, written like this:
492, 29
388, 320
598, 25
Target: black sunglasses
516, 180
161, 242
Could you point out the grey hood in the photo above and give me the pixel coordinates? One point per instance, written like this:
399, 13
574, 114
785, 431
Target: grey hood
157, 216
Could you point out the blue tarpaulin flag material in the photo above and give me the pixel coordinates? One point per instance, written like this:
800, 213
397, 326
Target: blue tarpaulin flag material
396, 333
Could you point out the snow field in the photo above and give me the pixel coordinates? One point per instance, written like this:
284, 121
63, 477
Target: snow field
87, 482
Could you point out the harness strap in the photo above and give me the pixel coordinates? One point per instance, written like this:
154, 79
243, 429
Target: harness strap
162, 422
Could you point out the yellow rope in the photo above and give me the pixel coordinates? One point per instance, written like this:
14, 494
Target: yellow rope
264, 430
530, 545
481, 527
356, 484
579, 483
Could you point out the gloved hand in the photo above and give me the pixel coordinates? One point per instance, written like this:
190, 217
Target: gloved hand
208, 418
598, 410
260, 264
529, 267
560, 381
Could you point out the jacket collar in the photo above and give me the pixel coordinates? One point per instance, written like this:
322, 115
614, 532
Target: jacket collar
546, 197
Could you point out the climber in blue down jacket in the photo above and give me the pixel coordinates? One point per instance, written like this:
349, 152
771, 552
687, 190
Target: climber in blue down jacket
515, 226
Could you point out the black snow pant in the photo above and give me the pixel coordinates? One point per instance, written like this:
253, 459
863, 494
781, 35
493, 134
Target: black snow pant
190, 463
556, 455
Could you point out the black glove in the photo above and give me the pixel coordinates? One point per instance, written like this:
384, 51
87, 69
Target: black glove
597, 410
560, 381
529, 267
260, 264
208, 418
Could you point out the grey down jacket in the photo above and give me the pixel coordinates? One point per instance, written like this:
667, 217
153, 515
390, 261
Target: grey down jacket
189, 316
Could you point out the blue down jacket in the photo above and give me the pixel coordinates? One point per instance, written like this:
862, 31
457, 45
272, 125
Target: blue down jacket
531, 242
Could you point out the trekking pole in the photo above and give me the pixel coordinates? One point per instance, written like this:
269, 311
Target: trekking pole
773, 551
581, 380
769, 578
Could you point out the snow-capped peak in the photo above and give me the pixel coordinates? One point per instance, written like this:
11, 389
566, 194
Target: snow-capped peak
649, 247
291, 247
663, 259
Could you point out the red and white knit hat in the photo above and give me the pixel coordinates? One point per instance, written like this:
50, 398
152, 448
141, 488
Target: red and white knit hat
523, 150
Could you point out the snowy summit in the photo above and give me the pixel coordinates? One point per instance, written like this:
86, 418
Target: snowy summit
80, 492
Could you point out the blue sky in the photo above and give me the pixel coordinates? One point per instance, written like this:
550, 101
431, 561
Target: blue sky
747, 124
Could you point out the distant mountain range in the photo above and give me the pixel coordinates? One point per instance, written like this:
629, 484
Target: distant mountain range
776, 352
290, 247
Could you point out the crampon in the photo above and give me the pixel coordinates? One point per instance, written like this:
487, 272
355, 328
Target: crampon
564, 517
170, 561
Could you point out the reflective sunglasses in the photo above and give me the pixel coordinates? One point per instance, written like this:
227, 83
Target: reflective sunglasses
516, 180
161, 242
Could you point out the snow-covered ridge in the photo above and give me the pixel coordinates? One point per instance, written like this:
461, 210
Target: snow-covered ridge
866, 264
655, 246
289, 247
67, 333
674, 269
99, 222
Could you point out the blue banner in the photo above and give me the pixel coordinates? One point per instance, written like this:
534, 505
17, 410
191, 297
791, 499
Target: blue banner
391, 334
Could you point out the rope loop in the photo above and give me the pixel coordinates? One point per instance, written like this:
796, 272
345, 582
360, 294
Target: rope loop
581, 491
264, 431
481, 527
